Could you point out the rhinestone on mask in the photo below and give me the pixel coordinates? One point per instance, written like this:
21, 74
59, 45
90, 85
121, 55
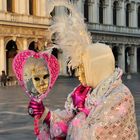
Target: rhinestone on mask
31, 111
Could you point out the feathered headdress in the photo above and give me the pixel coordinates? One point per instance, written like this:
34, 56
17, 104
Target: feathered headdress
71, 32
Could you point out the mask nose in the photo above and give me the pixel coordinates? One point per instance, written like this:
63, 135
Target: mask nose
42, 82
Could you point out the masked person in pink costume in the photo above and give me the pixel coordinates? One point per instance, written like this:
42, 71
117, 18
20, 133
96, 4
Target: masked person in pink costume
101, 107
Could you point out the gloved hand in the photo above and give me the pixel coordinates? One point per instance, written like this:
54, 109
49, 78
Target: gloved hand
35, 108
79, 96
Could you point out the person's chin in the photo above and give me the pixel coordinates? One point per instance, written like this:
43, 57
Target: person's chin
83, 83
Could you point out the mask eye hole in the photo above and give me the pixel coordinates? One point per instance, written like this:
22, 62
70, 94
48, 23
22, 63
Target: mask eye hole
45, 76
37, 79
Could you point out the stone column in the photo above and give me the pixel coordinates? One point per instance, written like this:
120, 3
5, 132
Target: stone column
3, 5
25, 44
130, 14
121, 14
2, 55
43, 8
38, 8
121, 57
108, 12
16, 7
80, 5
134, 18
133, 59
90, 12
27, 7
23, 7
93, 12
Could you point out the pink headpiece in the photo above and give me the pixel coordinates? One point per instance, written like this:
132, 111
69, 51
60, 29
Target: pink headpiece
51, 63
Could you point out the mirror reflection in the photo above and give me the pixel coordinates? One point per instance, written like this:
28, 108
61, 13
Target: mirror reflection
36, 76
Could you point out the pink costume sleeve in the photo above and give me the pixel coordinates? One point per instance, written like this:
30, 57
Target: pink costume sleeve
59, 121
57, 125
78, 97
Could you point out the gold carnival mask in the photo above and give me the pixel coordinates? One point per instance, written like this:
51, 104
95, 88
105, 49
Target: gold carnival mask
81, 74
36, 76
40, 79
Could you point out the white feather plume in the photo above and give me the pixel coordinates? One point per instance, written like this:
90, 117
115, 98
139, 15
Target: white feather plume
72, 35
